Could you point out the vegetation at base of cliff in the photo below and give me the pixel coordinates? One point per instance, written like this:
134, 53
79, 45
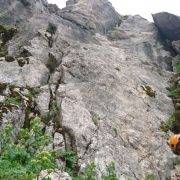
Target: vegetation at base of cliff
26, 157
169, 124
90, 173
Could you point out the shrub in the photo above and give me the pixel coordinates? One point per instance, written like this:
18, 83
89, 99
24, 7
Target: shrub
26, 158
52, 28
111, 173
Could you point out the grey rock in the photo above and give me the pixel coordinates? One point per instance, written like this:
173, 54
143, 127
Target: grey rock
96, 84
58, 142
168, 24
95, 15
43, 100
176, 46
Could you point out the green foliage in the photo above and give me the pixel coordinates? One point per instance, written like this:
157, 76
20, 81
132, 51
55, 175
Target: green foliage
26, 158
7, 32
90, 173
111, 172
70, 158
177, 65
150, 177
176, 161
52, 28
14, 101
174, 92
169, 124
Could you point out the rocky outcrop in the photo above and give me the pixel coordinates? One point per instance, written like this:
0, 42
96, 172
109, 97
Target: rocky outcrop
104, 97
168, 24
95, 15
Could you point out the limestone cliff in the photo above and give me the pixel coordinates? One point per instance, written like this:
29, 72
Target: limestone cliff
106, 74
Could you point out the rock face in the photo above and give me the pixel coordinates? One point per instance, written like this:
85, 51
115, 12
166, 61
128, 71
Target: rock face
168, 24
105, 97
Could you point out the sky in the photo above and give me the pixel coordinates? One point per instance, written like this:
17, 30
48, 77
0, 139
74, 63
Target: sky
142, 7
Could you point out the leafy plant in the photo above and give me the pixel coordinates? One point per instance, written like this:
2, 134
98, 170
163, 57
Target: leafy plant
70, 158
90, 173
27, 157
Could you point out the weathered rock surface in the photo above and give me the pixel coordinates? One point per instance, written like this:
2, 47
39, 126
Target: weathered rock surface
176, 46
95, 15
105, 97
168, 24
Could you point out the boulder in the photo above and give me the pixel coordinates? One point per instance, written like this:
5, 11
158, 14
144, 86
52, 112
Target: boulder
168, 25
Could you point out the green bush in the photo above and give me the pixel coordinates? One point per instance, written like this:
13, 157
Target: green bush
90, 173
27, 157
111, 173
52, 28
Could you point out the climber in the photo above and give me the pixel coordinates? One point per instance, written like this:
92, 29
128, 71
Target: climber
174, 143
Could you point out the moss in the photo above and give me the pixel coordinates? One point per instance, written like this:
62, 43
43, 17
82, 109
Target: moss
52, 63
115, 131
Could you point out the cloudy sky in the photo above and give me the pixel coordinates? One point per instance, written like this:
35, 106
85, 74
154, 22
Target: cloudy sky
142, 7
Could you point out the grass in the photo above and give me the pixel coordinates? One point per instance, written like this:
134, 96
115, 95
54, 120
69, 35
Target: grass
150, 177
177, 65
174, 92
169, 124
15, 101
